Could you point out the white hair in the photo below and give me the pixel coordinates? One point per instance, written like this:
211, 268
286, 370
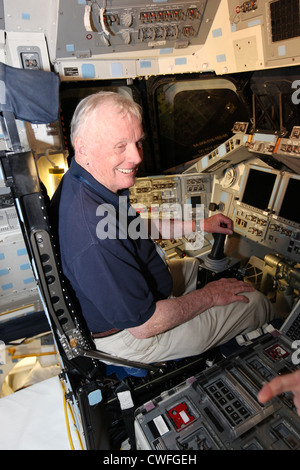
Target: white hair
91, 103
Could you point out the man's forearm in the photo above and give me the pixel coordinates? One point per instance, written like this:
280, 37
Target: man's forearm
170, 313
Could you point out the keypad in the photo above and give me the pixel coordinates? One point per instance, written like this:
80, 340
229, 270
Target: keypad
228, 402
294, 331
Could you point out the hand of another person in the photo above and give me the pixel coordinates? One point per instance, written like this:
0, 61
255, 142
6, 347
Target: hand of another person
214, 224
227, 290
283, 383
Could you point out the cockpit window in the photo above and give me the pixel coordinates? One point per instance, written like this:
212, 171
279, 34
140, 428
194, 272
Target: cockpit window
194, 117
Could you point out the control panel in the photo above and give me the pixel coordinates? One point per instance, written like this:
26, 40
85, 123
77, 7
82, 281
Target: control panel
242, 12
260, 193
124, 27
231, 152
290, 146
233, 180
141, 37
280, 28
161, 195
284, 238
196, 190
173, 196
179, 197
263, 143
218, 409
253, 226
263, 210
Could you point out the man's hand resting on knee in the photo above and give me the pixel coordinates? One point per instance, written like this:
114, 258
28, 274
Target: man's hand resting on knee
225, 291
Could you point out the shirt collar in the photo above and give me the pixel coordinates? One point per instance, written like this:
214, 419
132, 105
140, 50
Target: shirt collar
86, 178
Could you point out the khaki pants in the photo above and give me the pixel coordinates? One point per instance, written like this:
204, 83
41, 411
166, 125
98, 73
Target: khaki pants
211, 328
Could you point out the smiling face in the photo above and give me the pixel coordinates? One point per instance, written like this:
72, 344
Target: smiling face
110, 147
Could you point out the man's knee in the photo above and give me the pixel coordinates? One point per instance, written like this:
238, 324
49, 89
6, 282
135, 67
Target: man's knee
264, 309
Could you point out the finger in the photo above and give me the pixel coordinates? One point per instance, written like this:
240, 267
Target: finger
247, 288
235, 285
238, 294
278, 385
228, 228
240, 298
223, 225
265, 394
239, 286
224, 230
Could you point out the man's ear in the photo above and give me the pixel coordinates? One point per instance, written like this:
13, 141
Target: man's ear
80, 150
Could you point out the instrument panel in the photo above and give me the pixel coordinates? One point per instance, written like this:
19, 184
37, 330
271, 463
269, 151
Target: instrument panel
125, 27
171, 195
236, 180
218, 408
179, 197
265, 209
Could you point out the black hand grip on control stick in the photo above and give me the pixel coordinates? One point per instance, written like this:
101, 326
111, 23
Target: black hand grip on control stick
217, 251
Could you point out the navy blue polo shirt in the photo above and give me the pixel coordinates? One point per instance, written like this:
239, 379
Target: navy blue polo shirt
118, 277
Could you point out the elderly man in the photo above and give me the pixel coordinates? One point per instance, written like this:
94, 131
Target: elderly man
124, 288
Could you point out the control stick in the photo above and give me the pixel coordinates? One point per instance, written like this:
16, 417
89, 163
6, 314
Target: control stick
217, 251
216, 259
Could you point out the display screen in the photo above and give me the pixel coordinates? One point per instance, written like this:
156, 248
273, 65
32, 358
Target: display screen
258, 189
288, 208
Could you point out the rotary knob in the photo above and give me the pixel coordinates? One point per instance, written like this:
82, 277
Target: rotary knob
127, 20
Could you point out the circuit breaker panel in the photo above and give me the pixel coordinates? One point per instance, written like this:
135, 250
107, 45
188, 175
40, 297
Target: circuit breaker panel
123, 27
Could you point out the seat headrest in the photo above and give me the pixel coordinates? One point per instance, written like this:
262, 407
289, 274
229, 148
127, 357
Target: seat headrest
31, 95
